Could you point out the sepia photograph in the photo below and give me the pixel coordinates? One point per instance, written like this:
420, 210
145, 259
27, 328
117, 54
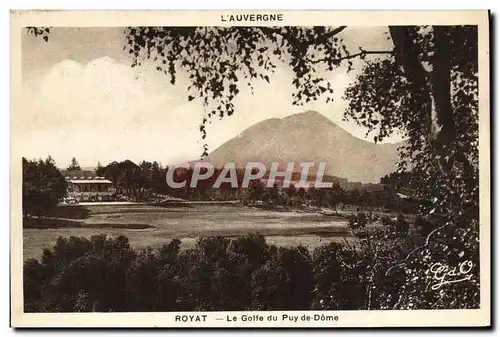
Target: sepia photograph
250, 168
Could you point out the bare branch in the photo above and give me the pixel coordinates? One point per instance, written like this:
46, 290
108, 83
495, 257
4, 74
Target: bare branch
348, 57
270, 30
335, 32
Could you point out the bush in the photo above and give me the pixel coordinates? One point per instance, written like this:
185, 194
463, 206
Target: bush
402, 226
335, 289
284, 281
81, 274
357, 221
398, 227
423, 226
106, 274
386, 221
210, 276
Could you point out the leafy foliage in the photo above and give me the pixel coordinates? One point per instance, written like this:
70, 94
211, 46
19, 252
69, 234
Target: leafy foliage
219, 61
431, 95
43, 187
43, 32
383, 99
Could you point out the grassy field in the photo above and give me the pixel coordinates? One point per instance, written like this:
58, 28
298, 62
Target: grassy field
148, 225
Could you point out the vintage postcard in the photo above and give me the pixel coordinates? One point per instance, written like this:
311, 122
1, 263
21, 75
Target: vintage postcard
250, 169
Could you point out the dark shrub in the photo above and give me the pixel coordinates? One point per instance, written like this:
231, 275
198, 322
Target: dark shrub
82, 275
34, 278
423, 226
362, 220
386, 221
352, 221
252, 247
284, 281
337, 279
211, 277
402, 226
105, 274
357, 221
143, 274
169, 287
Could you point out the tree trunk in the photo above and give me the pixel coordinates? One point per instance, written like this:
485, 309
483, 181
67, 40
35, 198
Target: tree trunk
432, 89
407, 56
443, 129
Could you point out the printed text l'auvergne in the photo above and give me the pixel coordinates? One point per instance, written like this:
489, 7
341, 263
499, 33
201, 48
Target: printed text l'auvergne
251, 17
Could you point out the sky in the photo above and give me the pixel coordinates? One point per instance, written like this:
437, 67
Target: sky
82, 99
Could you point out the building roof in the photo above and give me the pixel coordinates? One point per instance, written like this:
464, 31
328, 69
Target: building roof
90, 181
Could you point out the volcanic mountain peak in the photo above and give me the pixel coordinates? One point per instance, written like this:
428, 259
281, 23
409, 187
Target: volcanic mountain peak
309, 136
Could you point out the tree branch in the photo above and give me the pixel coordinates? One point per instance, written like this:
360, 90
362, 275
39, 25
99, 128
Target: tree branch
427, 240
348, 57
326, 36
335, 32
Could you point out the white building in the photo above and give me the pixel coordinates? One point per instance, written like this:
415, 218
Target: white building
90, 188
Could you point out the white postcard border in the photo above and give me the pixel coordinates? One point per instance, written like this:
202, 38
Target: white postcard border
413, 318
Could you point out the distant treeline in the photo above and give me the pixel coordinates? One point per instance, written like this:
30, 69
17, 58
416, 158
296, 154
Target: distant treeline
44, 186
147, 180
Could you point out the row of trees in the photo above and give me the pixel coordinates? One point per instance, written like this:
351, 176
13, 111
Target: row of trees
145, 180
136, 182
44, 186
106, 274
383, 198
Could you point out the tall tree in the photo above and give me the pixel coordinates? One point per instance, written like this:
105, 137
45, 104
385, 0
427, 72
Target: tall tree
100, 170
256, 190
74, 166
337, 194
291, 191
43, 187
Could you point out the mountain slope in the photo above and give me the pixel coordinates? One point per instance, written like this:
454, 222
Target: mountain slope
309, 136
